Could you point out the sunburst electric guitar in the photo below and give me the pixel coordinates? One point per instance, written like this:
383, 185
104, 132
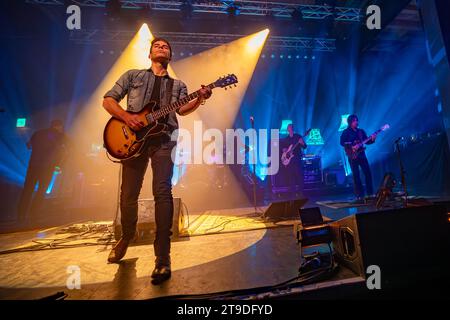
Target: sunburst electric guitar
354, 149
124, 143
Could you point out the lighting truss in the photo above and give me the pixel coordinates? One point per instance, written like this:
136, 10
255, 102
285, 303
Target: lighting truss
246, 7
204, 40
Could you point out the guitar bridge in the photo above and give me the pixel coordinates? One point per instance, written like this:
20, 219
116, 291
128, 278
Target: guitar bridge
125, 133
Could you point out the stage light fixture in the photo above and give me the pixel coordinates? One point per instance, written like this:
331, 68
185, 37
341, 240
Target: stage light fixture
186, 9
284, 125
233, 10
143, 14
315, 138
344, 123
296, 14
113, 8
257, 41
21, 122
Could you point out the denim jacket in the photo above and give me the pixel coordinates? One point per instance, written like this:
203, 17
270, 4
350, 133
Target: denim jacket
138, 86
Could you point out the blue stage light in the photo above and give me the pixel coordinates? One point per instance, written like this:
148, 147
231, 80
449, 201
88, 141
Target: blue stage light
315, 138
344, 124
52, 182
284, 125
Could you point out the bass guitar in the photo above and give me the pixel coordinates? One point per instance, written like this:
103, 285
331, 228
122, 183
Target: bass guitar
288, 153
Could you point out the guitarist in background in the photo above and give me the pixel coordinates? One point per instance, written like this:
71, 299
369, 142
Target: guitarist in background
141, 87
49, 148
349, 137
293, 172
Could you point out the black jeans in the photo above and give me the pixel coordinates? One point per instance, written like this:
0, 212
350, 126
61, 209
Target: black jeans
133, 172
362, 162
294, 176
41, 174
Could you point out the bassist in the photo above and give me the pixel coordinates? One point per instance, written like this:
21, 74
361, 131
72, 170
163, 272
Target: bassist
141, 87
349, 137
292, 173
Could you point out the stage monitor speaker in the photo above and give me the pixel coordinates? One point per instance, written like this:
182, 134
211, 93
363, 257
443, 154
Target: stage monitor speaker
146, 220
408, 244
285, 209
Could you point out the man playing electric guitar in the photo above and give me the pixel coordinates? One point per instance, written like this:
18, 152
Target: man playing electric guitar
141, 87
350, 137
291, 156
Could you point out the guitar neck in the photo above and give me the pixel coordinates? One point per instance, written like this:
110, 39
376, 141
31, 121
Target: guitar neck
375, 133
162, 112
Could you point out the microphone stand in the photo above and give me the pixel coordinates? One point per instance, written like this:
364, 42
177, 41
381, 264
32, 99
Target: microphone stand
402, 173
252, 120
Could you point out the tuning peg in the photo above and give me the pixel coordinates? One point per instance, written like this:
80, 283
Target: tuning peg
235, 85
225, 88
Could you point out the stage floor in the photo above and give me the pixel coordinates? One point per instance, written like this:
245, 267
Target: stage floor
201, 264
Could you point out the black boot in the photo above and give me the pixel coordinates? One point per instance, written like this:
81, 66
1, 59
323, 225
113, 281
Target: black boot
162, 271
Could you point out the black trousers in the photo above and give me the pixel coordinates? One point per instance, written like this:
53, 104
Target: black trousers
290, 176
295, 176
362, 162
133, 172
36, 173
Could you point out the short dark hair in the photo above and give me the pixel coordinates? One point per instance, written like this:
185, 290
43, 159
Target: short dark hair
163, 40
351, 118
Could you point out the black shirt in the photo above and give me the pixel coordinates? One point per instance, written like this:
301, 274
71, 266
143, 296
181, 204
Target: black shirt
286, 142
171, 119
350, 137
156, 93
47, 146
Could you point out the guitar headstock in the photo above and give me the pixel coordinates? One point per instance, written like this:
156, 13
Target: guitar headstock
385, 127
307, 132
226, 81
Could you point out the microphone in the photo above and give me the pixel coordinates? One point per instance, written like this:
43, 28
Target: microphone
398, 139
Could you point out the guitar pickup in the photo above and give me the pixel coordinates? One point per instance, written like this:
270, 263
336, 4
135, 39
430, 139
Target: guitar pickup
150, 118
125, 133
